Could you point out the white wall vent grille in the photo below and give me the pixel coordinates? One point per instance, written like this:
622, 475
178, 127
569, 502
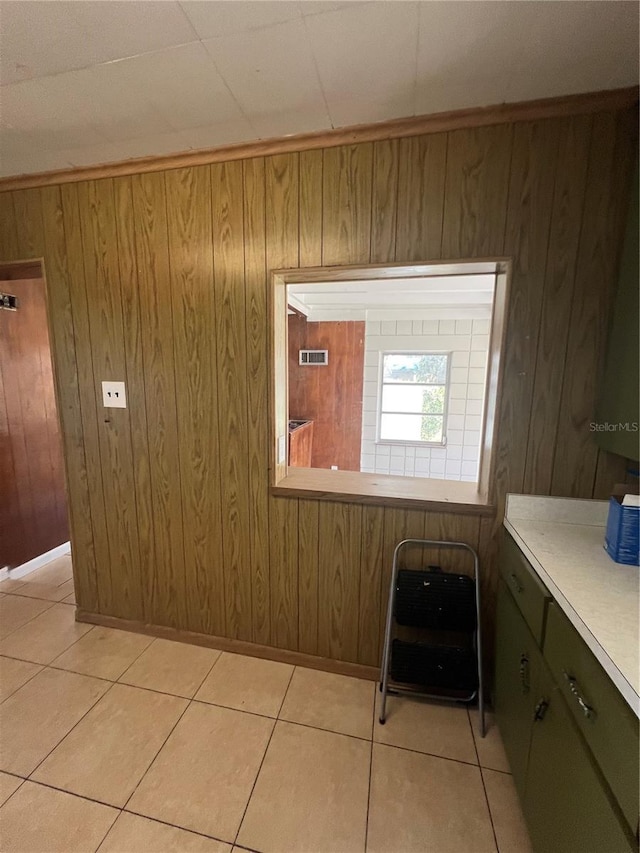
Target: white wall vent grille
310, 357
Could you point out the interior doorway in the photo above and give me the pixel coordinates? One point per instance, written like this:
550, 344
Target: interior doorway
34, 527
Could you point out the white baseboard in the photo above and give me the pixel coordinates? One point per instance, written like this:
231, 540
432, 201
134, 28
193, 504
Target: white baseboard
36, 563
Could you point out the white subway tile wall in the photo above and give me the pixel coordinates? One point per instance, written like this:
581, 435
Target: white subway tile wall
468, 341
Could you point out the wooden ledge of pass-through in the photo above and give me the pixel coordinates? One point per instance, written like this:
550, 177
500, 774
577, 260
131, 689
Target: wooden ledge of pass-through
383, 490
588, 102
226, 644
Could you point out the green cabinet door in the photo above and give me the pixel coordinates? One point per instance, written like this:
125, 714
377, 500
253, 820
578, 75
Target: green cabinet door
567, 805
518, 661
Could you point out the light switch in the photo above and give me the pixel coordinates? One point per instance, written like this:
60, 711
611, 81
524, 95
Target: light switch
114, 395
282, 449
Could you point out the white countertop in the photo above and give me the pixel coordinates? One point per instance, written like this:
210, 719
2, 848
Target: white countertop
563, 540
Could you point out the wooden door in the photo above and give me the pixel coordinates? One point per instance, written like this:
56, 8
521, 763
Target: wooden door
33, 508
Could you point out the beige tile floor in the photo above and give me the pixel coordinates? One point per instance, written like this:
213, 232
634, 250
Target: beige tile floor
121, 743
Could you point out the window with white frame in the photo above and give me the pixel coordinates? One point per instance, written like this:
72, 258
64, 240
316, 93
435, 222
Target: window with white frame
412, 399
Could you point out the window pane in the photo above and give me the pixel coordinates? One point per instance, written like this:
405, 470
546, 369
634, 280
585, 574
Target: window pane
413, 398
431, 428
399, 367
411, 428
402, 398
400, 427
433, 400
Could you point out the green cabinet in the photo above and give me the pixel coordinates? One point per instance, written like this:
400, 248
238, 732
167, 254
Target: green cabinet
566, 804
518, 664
576, 787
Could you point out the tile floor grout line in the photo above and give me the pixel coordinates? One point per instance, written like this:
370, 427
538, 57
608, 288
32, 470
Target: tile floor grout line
68, 733
20, 594
104, 838
66, 649
366, 824
125, 810
72, 794
484, 787
22, 781
286, 692
162, 745
127, 668
264, 755
211, 668
373, 724
24, 684
50, 603
101, 677
486, 797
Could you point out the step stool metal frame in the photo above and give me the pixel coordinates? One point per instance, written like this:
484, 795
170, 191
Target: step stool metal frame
386, 653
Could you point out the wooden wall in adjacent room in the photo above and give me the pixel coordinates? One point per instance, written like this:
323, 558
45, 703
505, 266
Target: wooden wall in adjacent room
161, 279
330, 395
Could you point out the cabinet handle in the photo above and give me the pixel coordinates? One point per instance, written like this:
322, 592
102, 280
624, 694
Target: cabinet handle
524, 673
515, 583
587, 710
540, 710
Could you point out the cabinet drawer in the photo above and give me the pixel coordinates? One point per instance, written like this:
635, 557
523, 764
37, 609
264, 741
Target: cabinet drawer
529, 593
607, 723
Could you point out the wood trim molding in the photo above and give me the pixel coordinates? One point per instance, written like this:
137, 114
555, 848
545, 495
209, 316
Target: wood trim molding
226, 644
610, 100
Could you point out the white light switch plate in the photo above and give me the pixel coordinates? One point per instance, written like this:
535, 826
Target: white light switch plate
282, 449
114, 395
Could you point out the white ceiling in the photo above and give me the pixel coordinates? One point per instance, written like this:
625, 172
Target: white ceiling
103, 80
402, 298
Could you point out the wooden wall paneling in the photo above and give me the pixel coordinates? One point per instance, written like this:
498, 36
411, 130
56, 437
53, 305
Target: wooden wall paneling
63, 343
398, 524
371, 560
606, 200
257, 325
421, 183
283, 577
339, 581
8, 229
384, 201
189, 226
282, 245
346, 204
29, 225
165, 589
529, 210
122, 590
310, 210
132, 327
308, 560
574, 135
88, 411
611, 469
455, 528
476, 190
231, 361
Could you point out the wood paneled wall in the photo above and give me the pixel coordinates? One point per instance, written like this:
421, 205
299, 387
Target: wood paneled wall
33, 504
162, 280
331, 395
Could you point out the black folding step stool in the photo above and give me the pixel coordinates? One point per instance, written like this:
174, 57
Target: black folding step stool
438, 601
